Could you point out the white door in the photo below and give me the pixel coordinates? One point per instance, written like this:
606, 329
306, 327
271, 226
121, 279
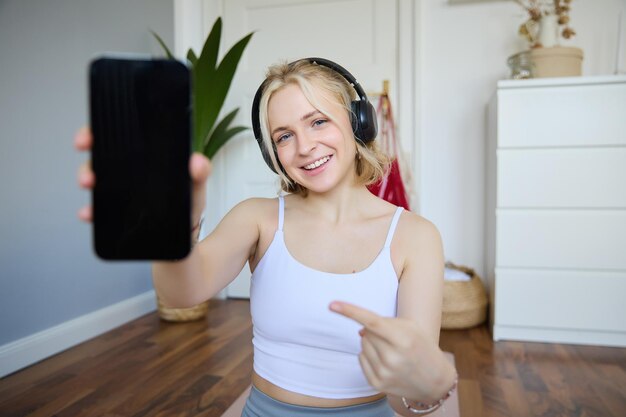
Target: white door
361, 35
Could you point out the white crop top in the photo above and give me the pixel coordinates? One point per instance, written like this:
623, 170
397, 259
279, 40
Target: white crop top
299, 344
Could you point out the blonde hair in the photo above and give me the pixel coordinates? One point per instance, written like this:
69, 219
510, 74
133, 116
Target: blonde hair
317, 81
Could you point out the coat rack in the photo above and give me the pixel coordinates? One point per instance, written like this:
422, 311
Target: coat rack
385, 91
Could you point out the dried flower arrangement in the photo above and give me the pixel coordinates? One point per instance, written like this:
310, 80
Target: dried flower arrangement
537, 9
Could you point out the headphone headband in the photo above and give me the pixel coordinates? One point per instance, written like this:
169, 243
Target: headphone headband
362, 117
343, 72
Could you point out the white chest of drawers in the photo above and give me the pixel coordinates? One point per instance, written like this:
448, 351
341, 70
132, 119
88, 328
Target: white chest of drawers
556, 210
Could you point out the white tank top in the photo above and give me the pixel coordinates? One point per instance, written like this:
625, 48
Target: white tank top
299, 344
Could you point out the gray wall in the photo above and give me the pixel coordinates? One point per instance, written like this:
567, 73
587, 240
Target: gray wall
48, 272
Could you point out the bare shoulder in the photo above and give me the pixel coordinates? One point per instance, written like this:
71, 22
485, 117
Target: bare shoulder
258, 210
416, 244
418, 229
261, 212
256, 205
417, 239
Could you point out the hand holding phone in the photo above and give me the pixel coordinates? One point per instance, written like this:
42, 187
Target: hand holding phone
199, 169
141, 128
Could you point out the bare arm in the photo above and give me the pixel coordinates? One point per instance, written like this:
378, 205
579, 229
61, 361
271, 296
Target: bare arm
213, 263
400, 355
420, 297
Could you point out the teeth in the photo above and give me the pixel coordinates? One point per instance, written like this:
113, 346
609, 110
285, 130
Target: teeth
317, 163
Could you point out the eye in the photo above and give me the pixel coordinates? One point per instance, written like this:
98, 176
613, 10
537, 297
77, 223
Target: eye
319, 122
280, 139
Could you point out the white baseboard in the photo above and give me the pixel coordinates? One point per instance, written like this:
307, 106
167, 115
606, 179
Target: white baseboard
31, 349
568, 336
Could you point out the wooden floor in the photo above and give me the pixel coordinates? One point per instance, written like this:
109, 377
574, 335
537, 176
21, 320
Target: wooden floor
153, 368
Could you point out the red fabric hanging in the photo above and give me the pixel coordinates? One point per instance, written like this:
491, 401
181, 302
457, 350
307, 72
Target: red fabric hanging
391, 187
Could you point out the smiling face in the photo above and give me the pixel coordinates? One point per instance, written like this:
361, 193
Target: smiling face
316, 150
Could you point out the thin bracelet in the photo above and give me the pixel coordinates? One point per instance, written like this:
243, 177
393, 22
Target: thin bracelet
198, 225
195, 229
429, 408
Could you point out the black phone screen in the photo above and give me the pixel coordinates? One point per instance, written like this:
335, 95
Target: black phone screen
141, 125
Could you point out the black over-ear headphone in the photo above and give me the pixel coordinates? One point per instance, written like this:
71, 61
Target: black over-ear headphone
363, 116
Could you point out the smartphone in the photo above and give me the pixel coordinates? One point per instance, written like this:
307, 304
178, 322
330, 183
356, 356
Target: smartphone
140, 116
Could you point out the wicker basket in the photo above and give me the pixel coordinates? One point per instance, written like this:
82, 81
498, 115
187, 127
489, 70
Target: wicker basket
464, 302
182, 314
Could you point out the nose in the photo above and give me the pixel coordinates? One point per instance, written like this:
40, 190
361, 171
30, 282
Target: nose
306, 143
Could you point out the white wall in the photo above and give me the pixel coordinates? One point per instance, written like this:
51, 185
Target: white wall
48, 272
463, 53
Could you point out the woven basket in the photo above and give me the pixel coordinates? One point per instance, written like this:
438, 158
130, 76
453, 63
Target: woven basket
464, 302
182, 314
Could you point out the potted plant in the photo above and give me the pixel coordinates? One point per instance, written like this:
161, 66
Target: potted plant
211, 81
547, 21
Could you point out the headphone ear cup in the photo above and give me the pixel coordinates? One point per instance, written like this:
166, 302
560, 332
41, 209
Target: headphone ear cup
268, 159
364, 121
372, 125
266, 156
256, 127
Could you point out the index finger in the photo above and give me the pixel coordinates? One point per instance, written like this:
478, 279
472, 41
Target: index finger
83, 139
369, 319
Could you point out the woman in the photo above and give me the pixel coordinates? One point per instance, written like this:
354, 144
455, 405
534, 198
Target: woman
346, 288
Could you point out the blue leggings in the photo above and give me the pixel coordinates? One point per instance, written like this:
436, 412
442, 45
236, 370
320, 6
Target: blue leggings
260, 404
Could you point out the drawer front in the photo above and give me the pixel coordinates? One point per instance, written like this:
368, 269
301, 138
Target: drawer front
571, 177
583, 300
577, 239
583, 115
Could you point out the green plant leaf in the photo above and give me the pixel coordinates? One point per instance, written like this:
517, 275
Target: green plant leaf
204, 72
163, 45
211, 83
213, 90
211, 46
191, 57
216, 142
221, 134
222, 126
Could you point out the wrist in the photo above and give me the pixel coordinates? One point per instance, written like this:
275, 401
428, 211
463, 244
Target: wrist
446, 378
427, 407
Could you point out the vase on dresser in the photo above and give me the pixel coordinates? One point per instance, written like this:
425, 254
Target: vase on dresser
548, 35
